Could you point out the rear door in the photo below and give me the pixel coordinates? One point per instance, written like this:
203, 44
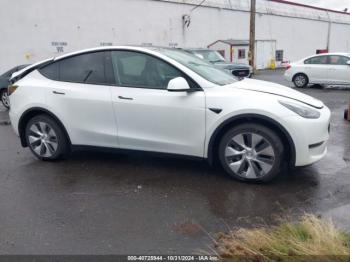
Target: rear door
81, 97
317, 69
339, 70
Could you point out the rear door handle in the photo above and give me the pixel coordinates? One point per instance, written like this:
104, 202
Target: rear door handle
58, 93
125, 98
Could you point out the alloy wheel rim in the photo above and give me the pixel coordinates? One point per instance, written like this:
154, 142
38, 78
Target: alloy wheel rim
5, 99
43, 139
300, 80
249, 155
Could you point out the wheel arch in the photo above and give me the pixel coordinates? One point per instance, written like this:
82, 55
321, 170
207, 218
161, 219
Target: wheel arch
256, 119
32, 112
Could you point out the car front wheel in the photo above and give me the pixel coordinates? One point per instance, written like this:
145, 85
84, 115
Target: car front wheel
5, 98
46, 138
251, 152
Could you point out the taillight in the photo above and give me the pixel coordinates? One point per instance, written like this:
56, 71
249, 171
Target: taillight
288, 66
11, 89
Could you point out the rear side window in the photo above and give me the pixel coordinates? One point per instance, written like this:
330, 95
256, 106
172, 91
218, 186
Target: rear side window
86, 68
89, 68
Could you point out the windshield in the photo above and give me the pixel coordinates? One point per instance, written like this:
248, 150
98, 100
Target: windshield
209, 55
203, 68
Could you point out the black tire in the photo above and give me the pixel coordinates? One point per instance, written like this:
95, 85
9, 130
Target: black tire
300, 80
4, 98
269, 141
59, 152
346, 114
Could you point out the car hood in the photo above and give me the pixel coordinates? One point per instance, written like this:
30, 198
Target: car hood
279, 90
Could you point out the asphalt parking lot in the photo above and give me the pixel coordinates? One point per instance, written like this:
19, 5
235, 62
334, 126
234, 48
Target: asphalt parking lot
99, 203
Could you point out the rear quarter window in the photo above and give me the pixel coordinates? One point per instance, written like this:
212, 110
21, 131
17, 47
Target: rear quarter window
50, 71
88, 68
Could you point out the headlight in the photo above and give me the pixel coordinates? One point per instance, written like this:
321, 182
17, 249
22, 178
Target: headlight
301, 110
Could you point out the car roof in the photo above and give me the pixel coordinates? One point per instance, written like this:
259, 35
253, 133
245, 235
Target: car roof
333, 53
151, 50
123, 47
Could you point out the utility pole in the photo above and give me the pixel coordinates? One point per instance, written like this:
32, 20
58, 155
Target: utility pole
252, 34
329, 32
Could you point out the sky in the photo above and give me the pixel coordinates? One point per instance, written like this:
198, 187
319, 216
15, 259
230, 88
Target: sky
339, 5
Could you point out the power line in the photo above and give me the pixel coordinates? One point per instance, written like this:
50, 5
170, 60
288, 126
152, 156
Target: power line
194, 8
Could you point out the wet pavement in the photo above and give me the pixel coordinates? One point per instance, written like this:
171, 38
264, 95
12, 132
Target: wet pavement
99, 203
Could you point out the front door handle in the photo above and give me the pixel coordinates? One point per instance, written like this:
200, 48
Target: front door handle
125, 98
58, 93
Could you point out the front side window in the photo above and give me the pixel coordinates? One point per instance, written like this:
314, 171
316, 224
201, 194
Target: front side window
317, 60
88, 68
338, 60
135, 69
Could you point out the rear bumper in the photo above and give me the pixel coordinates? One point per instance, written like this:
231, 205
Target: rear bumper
288, 75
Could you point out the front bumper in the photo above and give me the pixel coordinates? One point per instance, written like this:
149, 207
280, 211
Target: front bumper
310, 137
240, 73
14, 121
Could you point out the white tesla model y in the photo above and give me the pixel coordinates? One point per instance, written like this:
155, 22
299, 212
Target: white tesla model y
168, 101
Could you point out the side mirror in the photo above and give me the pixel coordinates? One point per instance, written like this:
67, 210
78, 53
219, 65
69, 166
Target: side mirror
178, 84
348, 62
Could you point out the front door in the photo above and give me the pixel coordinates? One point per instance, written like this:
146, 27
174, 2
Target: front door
149, 117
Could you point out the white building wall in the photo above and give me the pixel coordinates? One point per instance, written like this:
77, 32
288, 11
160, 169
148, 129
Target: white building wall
29, 28
340, 37
297, 37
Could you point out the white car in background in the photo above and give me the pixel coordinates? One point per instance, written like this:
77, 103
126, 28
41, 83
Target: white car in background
324, 69
167, 101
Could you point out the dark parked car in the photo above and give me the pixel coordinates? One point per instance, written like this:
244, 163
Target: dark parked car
238, 70
4, 82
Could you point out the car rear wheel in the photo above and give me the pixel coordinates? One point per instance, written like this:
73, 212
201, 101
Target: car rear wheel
251, 152
300, 80
5, 98
46, 139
